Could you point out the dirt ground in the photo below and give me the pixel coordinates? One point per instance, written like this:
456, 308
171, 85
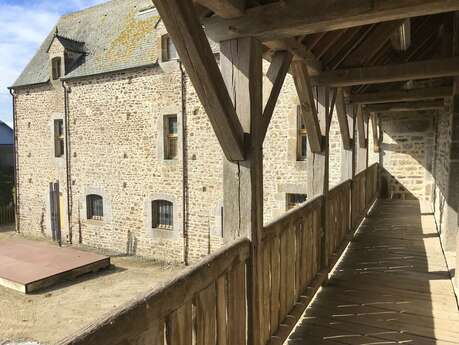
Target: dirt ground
50, 315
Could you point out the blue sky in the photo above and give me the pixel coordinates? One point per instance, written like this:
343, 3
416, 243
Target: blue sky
24, 25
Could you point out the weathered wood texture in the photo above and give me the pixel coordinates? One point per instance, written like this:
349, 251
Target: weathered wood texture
364, 192
389, 73
210, 304
402, 95
216, 289
392, 287
338, 209
308, 105
195, 53
295, 18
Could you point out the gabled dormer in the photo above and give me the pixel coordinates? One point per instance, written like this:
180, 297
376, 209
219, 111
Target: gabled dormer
64, 54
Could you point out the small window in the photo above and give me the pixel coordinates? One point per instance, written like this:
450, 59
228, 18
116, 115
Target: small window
56, 68
162, 213
295, 200
302, 137
170, 137
95, 207
58, 138
168, 49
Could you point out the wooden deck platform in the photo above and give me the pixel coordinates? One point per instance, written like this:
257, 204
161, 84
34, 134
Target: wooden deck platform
28, 266
391, 287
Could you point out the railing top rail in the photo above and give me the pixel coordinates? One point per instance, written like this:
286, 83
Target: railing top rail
298, 212
340, 186
168, 297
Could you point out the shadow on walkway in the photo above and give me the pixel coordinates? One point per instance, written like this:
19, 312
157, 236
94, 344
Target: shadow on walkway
391, 287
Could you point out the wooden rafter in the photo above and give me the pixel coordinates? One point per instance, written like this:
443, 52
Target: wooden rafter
280, 19
308, 107
405, 106
277, 71
390, 73
402, 95
372, 44
342, 119
195, 53
225, 8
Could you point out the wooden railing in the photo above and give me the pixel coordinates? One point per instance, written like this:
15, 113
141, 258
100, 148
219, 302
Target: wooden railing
207, 304
210, 303
291, 260
338, 217
6, 215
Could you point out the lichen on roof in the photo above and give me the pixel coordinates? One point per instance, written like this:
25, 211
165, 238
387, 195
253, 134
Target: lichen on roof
115, 37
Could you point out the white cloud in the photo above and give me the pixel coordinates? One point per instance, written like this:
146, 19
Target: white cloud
24, 26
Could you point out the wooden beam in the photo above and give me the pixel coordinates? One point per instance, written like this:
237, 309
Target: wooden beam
375, 130
276, 74
343, 119
241, 64
405, 106
361, 114
402, 95
224, 8
299, 51
199, 61
282, 19
308, 107
375, 40
390, 73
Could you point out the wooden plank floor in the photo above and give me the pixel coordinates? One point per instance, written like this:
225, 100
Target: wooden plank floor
391, 287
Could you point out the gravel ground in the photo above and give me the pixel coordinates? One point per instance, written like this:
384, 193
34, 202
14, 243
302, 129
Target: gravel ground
47, 316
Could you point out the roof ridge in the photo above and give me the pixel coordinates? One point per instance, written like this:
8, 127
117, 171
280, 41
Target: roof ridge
91, 8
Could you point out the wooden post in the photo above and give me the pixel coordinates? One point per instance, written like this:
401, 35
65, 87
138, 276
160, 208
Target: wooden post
361, 143
318, 163
241, 65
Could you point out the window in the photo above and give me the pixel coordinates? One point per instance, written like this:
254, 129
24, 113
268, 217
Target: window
168, 49
302, 137
95, 207
58, 138
56, 68
162, 213
295, 200
170, 137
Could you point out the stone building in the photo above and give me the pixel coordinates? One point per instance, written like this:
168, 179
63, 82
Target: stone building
115, 150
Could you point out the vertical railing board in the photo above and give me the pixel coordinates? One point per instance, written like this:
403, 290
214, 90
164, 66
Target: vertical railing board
237, 295
206, 312
275, 283
179, 330
222, 307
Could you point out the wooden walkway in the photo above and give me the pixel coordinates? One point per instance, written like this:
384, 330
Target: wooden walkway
391, 287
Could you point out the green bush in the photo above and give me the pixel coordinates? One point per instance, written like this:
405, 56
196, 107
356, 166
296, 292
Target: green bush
6, 186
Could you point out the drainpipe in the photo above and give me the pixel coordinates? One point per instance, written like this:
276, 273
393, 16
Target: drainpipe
68, 159
186, 241
16, 163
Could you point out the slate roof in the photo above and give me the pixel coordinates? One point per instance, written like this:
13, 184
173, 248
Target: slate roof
6, 134
115, 38
69, 44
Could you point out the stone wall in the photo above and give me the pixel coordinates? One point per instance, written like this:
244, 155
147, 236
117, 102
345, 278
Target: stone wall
116, 142
407, 151
36, 109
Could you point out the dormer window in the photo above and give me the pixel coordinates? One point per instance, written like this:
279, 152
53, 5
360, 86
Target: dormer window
56, 68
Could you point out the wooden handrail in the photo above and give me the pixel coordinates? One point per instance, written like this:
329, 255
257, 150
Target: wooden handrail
213, 299
134, 319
